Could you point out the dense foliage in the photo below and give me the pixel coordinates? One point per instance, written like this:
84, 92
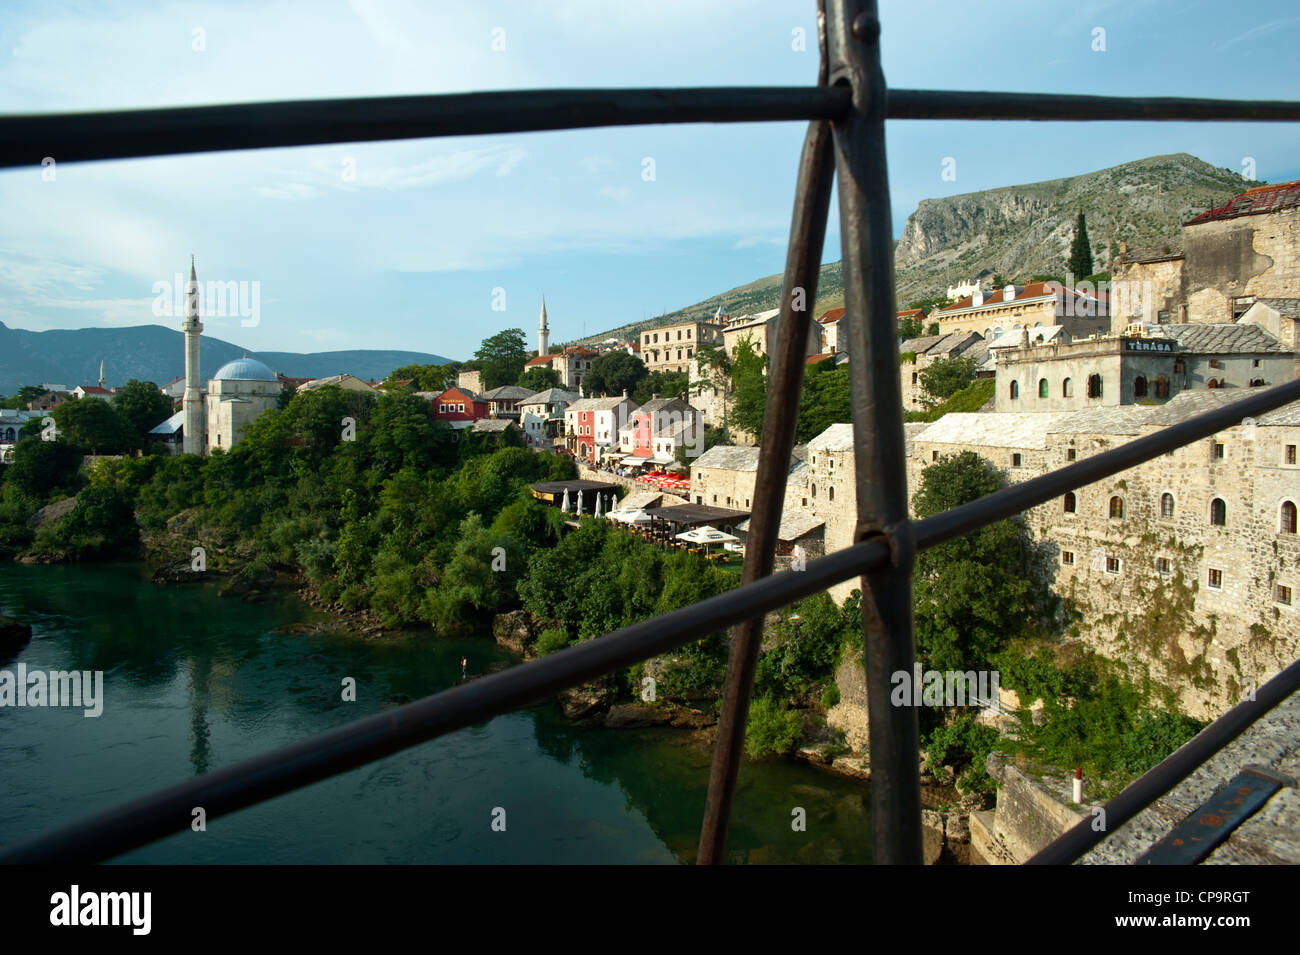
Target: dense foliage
613, 373
942, 379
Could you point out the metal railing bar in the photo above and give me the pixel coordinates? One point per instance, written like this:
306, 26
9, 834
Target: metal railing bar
159, 814
1167, 774
780, 419
961, 105
877, 411
122, 134
1022, 496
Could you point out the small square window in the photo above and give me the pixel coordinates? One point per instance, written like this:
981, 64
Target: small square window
1215, 579
1112, 565
1218, 450
1015, 460
1163, 566
1071, 454
1284, 595
1067, 557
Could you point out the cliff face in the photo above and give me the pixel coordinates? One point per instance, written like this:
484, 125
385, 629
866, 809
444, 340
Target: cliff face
1019, 231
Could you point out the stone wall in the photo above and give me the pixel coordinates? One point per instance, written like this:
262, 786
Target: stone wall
1250, 255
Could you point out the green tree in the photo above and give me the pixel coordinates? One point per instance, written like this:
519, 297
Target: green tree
944, 378
825, 399
141, 407
973, 594
911, 327
502, 357
749, 383
539, 378
614, 372
666, 384
92, 424
1080, 263
28, 393
42, 467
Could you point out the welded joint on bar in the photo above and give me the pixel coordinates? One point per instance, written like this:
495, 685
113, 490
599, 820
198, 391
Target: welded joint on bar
898, 538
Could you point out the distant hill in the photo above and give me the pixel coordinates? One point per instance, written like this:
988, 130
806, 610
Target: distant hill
153, 353
1017, 231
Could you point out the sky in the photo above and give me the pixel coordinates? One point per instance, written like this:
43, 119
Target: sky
433, 245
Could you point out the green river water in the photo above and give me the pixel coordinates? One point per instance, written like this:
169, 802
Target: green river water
194, 682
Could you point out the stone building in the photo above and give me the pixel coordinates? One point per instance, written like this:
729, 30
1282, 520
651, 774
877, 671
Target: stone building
917, 354
1187, 566
761, 331
1082, 311
673, 347
239, 392
724, 475
1246, 250
542, 416
1152, 364
572, 364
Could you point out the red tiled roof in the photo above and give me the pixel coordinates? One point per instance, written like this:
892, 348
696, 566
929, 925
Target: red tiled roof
834, 315
579, 351
94, 390
910, 313
539, 360
814, 359
1260, 199
1032, 290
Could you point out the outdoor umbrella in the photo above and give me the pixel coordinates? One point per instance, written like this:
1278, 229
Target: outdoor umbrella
565, 506
579, 502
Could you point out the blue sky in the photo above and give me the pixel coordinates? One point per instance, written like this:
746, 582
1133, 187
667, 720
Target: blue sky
407, 252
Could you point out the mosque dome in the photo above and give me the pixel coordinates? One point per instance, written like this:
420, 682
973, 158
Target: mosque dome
245, 369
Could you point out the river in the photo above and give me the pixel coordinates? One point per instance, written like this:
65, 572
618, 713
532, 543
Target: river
194, 682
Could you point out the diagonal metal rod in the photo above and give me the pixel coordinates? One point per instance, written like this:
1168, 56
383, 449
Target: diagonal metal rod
877, 404
284, 770
780, 421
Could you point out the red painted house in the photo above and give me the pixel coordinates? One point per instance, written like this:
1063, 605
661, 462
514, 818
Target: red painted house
458, 407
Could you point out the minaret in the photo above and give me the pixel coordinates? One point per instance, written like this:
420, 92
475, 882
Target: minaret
543, 333
103, 382
195, 435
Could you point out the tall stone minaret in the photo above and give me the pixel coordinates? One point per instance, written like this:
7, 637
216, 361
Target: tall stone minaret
195, 435
543, 333
103, 382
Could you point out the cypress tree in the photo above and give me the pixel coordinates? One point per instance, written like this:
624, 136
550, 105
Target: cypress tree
1080, 250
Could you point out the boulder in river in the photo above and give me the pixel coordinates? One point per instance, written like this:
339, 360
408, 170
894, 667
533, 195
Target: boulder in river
14, 635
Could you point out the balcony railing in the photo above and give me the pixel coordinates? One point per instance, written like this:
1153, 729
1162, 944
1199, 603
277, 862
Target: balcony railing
846, 112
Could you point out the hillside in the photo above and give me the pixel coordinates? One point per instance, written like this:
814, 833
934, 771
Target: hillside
153, 353
1018, 231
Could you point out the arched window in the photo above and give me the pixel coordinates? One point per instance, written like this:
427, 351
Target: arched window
1094, 386
1212, 383
814, 490
830, 493
997, 333
1139, 387
988, 332
914, 378
1167, 506
1071, 503
1067, 388
1288, 520
1160, 387
1042, 387
1218, 512
1015, 390
1256, 382
1117, 507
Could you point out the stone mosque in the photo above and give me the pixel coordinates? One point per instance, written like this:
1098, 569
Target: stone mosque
238, 392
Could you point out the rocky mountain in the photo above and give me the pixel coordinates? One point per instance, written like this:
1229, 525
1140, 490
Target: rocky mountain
154, 353
1015, 231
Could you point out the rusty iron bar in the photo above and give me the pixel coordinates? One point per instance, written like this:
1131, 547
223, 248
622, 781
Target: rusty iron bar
1164, 776
70, 137
281, 771
877, 404
26, 139
780, 419
1070, 107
